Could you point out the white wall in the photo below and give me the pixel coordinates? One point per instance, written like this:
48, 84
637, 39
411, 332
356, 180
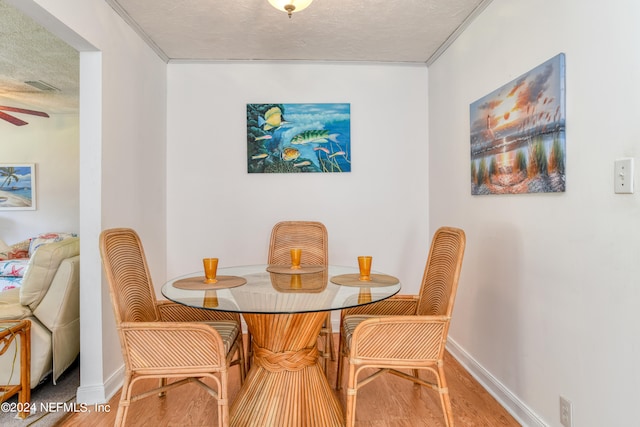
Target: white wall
547, 303
122, 172
215, 208
548, 300
53, 145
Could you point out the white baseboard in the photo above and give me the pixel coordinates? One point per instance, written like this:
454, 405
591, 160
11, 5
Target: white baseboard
521, 412
101, 393
90, 395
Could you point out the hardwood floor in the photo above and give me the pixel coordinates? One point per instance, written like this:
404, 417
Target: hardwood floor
387, 402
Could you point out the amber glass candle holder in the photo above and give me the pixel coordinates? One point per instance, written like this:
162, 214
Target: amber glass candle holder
210, 269
296, 254
364, 263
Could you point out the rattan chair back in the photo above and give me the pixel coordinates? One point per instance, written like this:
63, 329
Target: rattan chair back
441, 274
310, 236
129, 281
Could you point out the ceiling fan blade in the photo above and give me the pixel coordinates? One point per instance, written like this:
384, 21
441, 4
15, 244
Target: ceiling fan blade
24, 111
14, 120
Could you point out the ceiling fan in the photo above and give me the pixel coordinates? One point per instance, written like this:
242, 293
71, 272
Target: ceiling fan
16, 121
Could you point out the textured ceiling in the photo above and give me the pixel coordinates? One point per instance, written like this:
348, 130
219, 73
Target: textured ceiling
406, 31
30, 53
328, 30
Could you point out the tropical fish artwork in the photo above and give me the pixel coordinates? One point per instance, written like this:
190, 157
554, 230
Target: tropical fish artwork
317, 136
298, 138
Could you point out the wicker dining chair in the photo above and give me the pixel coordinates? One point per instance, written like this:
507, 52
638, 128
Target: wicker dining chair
164, 340
392, 341
312, 238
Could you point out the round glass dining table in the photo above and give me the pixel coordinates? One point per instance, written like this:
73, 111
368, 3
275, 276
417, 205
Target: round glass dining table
284, 311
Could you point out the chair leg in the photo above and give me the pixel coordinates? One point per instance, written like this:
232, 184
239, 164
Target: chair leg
323, 359
249, 354
445, 400
327, 346
241, 358
340, 361
163, 382
125, 401
223, 400
352, 390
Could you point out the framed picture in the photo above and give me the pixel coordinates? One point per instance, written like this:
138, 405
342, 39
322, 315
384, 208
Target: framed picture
294, 138
518, 134
17, 187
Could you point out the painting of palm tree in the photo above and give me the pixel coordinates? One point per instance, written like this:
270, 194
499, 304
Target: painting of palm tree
9, 174
17, 187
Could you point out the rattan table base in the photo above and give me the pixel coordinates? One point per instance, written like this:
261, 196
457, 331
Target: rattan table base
286, 385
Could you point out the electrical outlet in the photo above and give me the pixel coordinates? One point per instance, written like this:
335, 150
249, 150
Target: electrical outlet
565, 412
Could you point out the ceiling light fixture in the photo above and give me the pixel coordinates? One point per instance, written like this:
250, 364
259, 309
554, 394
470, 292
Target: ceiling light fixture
290, 6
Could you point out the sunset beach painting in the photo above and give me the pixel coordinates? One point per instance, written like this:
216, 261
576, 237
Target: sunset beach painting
17, 187
518, 134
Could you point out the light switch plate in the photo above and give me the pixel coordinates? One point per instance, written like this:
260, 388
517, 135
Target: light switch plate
623, 176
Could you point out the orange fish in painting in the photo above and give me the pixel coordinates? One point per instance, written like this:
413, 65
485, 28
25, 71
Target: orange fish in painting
290, 153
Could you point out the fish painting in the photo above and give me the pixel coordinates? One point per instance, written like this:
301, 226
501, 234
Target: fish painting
298, 138
290, 153
314, 136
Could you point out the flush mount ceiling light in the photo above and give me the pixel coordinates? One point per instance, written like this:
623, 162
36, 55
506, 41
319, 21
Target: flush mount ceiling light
290, 6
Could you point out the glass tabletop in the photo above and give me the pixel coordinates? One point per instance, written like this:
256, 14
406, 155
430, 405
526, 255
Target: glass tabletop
271, 293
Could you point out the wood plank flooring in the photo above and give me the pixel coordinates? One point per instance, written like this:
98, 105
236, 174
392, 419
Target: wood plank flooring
387, 402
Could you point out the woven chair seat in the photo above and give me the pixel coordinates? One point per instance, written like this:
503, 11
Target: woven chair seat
350, 323
228, 331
